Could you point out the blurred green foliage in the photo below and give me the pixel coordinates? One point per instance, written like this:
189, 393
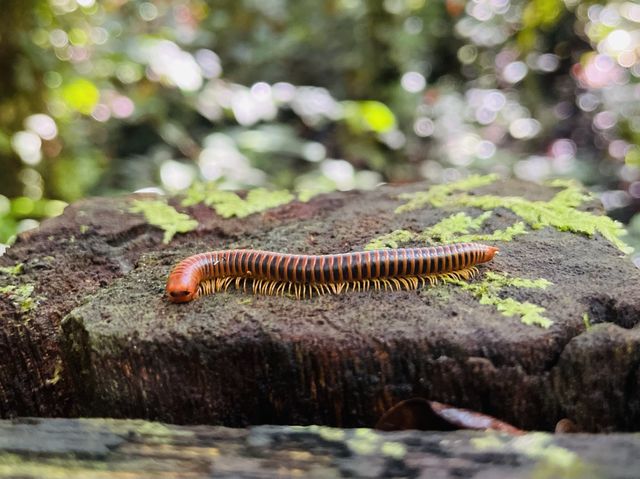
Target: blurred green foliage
121, 95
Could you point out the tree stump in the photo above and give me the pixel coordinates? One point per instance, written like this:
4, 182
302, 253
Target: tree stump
86, 329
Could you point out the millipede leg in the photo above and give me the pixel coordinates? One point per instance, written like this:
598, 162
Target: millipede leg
299, 290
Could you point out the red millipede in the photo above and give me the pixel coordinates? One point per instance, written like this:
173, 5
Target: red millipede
277, 273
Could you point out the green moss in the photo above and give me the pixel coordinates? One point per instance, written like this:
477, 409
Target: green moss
159, 430
395, 450
448, 229
586, 321
327, 433
455, 228
229, 204
530, 314
489, 441
560, 212
551, 461
391, 240
438, 195
306, 194
488, 291
16, 465
437, 295
506, 234
499, 281
14, 270
160, 214
364, 442
20, 296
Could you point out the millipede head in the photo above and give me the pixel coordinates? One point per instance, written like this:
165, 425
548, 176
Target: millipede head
181, 289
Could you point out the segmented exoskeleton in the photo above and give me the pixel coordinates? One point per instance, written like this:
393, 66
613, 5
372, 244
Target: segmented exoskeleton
276, 273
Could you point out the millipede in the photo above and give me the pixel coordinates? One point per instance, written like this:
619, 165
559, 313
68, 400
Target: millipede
266, 272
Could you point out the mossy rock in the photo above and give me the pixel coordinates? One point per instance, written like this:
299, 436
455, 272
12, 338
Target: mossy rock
547, 331
99, 448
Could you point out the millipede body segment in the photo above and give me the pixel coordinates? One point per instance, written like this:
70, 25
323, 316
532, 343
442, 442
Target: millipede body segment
266, 272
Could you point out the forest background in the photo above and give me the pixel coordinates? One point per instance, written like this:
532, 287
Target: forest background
115, 96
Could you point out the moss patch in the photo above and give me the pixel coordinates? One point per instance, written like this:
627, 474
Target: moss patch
439, 195
455, 228
488, 291
551, 460
560, 212
391, 240
506, 234
14, 270
229, 204
160, 214
446, 230
20, 296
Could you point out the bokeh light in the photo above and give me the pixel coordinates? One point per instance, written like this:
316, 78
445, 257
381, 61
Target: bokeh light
125, 95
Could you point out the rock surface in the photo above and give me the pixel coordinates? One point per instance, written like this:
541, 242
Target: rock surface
101, 340
99, 448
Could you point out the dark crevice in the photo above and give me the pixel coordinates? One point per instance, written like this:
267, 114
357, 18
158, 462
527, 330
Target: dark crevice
125, 237
606, 309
